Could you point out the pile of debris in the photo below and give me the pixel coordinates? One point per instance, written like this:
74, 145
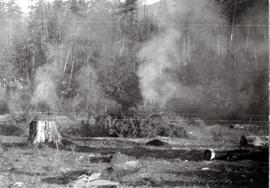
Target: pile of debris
120, 166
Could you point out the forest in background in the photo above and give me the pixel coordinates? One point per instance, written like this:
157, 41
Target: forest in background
189, 57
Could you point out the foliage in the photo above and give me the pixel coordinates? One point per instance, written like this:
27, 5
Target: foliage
20, 102
88, 52
3, 104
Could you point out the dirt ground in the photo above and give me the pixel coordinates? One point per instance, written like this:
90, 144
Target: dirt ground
179, 165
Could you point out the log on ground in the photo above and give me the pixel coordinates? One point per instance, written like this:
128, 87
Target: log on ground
256, 154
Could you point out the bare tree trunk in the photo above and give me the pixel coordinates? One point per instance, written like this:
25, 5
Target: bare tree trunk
247, 39
45, 34
33, 65
72, 71
231, 41
65, 66
71, 74
184, 49
122, 49
255, 57
232, 28
144, 10
188, 45
27, 74
89, 88
235, 58
217, 43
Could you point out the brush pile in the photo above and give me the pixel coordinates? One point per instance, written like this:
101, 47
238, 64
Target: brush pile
143, 123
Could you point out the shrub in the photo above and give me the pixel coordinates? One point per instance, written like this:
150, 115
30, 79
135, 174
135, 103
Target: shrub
14, 125
3, 106
83, 127
11, 130
3, 103
19, 101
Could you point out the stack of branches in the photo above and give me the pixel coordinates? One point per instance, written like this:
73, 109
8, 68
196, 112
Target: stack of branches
141, 122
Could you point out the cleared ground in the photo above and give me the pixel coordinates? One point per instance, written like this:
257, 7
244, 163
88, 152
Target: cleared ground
180, 164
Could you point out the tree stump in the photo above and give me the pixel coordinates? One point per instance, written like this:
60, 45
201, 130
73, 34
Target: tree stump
43, 131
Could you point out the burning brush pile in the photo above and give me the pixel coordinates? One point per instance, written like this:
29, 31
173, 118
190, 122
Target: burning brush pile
141, 123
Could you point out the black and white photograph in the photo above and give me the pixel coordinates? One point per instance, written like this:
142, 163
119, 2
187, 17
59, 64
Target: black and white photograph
134, 94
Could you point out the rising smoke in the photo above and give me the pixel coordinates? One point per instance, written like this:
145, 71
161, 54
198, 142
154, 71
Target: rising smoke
45, 97
213, 56
155, 84
165, 51
192, 35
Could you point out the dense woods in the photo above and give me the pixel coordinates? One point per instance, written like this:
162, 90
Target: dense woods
210, 60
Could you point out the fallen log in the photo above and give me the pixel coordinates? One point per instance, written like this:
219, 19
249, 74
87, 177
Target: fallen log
251, 147
43, 131
211, 154
257, 154
155, 142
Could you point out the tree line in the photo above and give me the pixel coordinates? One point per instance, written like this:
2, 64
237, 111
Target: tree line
82, 56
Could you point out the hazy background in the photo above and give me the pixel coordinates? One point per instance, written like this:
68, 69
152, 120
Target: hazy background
207, 61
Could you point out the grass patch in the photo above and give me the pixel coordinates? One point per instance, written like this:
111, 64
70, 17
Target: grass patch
11, 130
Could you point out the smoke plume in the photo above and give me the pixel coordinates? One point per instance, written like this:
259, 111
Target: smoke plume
47, 78
155, 85
171, 49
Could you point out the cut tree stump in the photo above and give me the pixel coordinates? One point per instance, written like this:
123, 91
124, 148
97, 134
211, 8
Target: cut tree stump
44, 131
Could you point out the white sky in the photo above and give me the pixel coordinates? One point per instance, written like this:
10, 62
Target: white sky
24, 4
